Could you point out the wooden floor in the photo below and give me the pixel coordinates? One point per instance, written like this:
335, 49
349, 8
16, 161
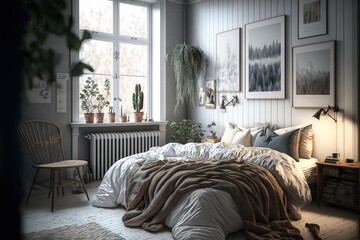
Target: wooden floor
335, 223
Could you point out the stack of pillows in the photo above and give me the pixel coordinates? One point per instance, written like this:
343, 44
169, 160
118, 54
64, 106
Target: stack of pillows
295, 141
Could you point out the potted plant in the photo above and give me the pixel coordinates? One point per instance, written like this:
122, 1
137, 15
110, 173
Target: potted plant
187, 61
186, 131
138, 102
87, 95
102, 102
112, 113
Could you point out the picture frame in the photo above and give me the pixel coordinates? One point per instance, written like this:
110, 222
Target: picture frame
228, 47
314, 75
201, 97
312, 18
210, 94
265, 56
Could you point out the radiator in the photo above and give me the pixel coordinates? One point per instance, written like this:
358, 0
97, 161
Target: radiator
107, 148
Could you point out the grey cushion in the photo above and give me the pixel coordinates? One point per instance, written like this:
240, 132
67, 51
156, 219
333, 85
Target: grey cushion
286, 143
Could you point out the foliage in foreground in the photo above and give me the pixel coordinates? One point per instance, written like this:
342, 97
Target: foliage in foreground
186, 131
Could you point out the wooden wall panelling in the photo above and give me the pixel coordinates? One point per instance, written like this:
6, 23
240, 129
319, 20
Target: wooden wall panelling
216, 16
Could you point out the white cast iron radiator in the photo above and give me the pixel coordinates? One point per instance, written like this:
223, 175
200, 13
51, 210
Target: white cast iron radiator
107, 148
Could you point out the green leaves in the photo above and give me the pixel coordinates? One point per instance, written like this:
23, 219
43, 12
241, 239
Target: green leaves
187, 61
186, 131
90, 90
138, 98
46, 17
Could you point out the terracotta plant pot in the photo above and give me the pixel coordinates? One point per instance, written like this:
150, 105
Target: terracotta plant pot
122, 118
111, 117
138, 116
99, 117
89, 117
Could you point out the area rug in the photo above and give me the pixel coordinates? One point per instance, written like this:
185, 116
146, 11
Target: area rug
86, 231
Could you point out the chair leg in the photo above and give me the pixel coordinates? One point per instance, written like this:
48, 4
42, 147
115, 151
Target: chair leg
52, 186
62, 187
82, 183
32, 185
59, 182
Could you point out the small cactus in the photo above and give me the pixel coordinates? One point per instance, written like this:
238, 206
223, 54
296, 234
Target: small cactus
138, 98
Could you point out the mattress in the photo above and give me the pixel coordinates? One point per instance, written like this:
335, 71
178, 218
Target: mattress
309, 168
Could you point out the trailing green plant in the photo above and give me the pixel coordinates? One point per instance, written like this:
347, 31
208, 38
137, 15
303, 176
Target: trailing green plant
44, 18
88, 93
102, 99
186, 131
138, 98
187, 61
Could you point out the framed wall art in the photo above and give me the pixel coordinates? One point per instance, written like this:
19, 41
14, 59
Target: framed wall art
228, 60
201, 96
312, 18
265, 59
314, 75
210, 94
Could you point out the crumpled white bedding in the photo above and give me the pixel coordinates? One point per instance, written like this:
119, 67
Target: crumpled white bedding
207, 213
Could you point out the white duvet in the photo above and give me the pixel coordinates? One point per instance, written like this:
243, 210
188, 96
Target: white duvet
207, 213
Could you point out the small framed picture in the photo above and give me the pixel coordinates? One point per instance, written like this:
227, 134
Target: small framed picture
314, 75
210, 93
265, 59
201, 96
312, 18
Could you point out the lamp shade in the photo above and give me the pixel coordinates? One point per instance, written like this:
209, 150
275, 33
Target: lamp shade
318, 114
222, 105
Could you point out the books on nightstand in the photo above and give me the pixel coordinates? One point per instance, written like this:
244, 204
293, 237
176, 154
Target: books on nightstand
330, 159
212, 140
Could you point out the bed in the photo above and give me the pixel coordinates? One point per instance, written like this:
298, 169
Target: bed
210, 190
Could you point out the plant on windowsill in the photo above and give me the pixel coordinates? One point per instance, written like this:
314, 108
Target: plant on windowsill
186, 131
102, 102
87, 95
112, 114
188, 62
138, 103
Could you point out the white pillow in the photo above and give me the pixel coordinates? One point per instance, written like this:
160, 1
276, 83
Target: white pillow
281, 131
243, 138
229, 133
254, 131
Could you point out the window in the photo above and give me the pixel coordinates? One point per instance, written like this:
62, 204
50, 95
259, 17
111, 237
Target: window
119, 50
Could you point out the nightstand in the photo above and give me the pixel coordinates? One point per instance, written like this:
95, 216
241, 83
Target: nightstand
211, 140
339, 184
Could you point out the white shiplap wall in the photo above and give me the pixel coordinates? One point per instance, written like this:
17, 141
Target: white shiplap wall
206, 18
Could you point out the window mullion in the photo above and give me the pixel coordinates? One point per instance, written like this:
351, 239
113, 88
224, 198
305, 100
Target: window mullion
116, 70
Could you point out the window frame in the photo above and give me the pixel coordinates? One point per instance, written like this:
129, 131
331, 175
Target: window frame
116, 39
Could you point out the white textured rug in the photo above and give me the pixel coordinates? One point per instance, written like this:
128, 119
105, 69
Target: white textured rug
86, 231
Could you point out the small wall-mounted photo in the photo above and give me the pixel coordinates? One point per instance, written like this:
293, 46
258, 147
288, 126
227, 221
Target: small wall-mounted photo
210, 94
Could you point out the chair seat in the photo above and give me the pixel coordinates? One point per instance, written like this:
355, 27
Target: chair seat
63, 164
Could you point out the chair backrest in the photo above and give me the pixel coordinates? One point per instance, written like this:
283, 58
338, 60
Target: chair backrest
43, 139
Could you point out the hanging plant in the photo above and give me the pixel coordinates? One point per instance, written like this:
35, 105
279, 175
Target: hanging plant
187, 61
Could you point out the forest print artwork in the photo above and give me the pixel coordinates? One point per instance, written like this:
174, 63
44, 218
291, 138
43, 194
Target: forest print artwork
264, 67
314, 75
265, 54
228, 60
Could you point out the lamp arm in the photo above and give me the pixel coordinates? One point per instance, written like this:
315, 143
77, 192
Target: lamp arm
335, 109
334, 118
233, 101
